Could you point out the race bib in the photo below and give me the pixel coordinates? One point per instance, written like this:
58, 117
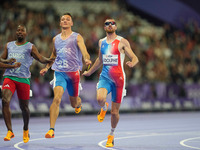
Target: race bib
111, 60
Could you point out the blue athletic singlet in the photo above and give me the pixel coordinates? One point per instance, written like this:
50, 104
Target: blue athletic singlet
22, 53
69, 56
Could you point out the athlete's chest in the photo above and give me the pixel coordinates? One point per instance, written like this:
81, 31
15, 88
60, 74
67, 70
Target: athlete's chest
110, 53
18, 52
110, 48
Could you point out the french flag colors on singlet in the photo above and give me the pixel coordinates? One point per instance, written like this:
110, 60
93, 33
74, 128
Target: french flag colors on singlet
113, 60
113, 69
69, 81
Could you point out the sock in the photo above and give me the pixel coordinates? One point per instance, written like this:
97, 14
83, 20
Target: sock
51, 129
105, 107
112, 131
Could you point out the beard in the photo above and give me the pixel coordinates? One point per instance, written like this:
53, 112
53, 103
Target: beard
20, 39
110, 31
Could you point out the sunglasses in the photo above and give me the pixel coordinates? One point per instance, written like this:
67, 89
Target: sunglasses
111, 22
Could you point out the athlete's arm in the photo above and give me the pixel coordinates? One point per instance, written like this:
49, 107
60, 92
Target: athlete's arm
4, 55
125, 46
36, 55
96, 65
53, 56
3, 60
15, 65
83, 50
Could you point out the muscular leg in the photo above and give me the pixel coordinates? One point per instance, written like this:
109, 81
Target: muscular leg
6, 97
25, 112
101, 96
114, 121
114, 114
54, 108
75, 101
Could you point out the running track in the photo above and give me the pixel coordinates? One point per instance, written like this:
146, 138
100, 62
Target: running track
135, 131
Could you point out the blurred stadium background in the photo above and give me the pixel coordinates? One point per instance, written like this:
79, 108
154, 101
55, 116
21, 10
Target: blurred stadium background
165, 35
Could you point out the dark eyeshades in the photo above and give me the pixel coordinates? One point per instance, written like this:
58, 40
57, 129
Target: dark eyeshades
111, 22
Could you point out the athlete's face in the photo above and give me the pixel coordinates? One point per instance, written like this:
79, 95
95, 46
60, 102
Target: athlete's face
66, 21
21, 33
110, 26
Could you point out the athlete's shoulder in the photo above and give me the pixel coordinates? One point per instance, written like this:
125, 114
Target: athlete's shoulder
75, 33
58, 35
103, 39
119, 37
124, 41
11, 42
29, 43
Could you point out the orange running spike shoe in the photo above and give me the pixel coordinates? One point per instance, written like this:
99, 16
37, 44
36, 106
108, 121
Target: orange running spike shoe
9, 135
78, 109
102, 113
26, 136
49, 134
110, 141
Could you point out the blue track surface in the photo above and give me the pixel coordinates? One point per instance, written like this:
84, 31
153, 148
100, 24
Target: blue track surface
137, 131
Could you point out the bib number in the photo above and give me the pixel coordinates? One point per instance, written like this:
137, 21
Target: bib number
62, 64
17, 70
111, 60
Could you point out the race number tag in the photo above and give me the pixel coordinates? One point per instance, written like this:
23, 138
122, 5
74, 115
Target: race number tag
111, 60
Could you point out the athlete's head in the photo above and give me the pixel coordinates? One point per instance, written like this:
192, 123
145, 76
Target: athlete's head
21, 33
66, 20
110, 25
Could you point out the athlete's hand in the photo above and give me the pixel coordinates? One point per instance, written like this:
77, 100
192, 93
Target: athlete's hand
43, 71
88, 62
16, 65
86, 73
11, 60
130, 64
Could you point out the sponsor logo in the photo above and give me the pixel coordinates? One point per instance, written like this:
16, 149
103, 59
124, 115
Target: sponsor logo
7, 85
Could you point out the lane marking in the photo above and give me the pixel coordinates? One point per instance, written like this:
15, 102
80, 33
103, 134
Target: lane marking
183, 143
17, 145
126, 137
145, 135
80, 134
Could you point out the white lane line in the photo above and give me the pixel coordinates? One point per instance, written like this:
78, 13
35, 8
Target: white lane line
126, 137
183, 143
145, 135
81, 134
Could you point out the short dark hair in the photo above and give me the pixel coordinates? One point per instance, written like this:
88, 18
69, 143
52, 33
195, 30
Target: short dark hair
22, 25
67, 13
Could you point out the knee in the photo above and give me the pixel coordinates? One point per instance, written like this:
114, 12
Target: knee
5, 101
101, 99
57, 101
114, 113
24, 108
